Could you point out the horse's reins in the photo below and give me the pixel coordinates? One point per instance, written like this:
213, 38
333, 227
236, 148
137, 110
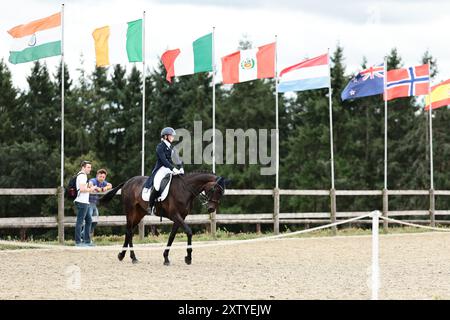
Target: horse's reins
204, 197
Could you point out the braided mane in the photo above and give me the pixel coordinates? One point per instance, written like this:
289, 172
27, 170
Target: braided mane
200, 172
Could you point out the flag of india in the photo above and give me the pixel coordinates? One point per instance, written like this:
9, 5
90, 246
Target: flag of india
35, 40
119, 43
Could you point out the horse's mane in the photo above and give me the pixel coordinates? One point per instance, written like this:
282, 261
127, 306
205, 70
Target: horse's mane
200, 172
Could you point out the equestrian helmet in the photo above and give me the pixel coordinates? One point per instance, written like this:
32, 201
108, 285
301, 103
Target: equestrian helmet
168, 131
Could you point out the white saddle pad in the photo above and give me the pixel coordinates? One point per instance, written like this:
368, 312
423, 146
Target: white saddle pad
146, 194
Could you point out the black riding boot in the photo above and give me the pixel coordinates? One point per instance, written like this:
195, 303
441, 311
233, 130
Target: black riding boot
151, 201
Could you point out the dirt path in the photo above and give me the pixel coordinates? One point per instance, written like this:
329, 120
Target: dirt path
414, 266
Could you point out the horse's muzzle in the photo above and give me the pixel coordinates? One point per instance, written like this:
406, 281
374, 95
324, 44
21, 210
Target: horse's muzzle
211, 209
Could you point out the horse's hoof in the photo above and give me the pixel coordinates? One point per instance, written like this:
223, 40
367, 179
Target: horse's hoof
120, 256
188, 260
167, 263
134, 261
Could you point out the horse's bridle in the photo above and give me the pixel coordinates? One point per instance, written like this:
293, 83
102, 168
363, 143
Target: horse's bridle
207, 197
213, 190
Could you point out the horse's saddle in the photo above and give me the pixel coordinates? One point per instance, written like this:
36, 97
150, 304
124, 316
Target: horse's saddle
163, 189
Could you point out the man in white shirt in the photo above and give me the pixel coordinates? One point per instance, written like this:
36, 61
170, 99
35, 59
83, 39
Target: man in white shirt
82, 205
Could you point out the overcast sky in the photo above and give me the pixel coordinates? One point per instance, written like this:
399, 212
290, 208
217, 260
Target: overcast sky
367, 28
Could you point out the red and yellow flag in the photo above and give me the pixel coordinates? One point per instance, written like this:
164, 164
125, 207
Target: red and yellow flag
440, 95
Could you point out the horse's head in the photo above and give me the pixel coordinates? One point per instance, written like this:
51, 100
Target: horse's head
215, 192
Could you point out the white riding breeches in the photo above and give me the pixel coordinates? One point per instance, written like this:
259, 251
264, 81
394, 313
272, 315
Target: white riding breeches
159, 176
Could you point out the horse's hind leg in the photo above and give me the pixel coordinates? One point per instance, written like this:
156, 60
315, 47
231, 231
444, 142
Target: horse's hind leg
154, 231
125, 245
132, 255
169, 243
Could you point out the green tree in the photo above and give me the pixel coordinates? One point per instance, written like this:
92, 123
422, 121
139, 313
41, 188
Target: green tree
43, 120
249, 106
10, 113
307, 164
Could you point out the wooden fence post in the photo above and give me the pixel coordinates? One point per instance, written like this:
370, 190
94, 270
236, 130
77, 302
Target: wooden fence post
213, 224
385, 210
60, 195
208, 227
432, 208
276, 211
141, 230
333, 210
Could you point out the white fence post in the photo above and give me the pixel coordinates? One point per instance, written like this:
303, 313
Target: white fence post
375, 254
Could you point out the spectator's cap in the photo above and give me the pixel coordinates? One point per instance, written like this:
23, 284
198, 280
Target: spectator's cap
102, 171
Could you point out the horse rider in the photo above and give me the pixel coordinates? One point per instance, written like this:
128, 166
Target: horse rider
164, 164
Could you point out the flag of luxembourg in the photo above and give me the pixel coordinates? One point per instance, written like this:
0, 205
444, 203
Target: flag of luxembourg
309, 74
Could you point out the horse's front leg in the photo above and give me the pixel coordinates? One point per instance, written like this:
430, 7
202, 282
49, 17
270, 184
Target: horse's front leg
169, 243
187, 229
188, 258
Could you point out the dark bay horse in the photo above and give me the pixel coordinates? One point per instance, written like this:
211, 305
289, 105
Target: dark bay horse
178, 204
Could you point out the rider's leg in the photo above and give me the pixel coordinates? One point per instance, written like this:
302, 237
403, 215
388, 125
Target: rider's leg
151, 201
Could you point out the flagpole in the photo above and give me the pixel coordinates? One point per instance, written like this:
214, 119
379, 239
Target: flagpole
277, 140
276, 195
61, 188
62, 95
143, 96
430, 116
333, 190
385, 192
330, 100
385, 122
213, 102
431, 128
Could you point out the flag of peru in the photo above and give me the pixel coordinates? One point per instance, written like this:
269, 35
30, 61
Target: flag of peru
251, 64
407, 82
309, 74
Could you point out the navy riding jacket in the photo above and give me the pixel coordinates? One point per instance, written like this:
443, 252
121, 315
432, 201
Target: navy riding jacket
163, 159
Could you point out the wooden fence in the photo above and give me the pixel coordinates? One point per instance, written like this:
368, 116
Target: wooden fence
212, 220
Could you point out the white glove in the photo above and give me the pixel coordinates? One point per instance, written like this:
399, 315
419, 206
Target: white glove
182, 171
175, 171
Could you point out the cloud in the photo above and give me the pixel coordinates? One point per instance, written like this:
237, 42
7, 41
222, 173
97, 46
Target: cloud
350, 11
304, 28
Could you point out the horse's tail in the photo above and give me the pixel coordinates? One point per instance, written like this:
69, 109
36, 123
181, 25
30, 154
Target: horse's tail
108, 196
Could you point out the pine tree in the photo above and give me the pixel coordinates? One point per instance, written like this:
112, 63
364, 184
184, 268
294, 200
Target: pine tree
10, 115
406, 146
250, 106
308, 157
43, 119
132, 122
